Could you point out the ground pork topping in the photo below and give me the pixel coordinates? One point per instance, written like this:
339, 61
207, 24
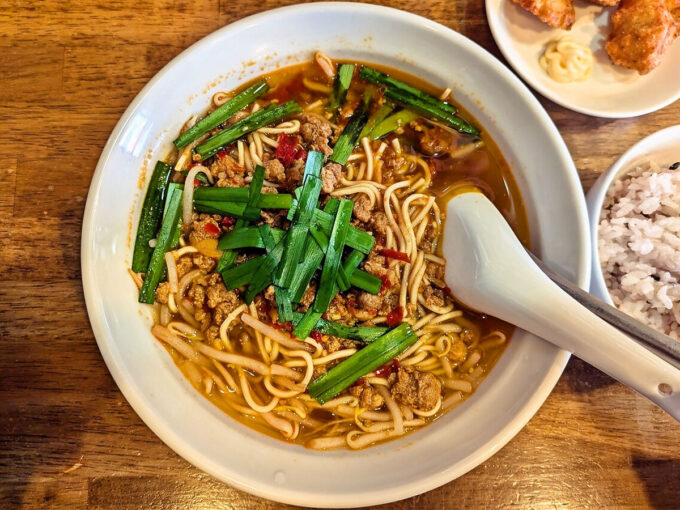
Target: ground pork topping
308, 297
163, 292
368, 397
379, 223
363, 208
274, 171
433, 296
184, 265
227, 172
316, 131
217, 293
203, 262
205, 227
413, 388
330, 176
369, 301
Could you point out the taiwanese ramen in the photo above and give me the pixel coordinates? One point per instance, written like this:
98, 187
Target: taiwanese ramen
290, 247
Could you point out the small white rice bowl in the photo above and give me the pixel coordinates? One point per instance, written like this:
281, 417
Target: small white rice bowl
639, 245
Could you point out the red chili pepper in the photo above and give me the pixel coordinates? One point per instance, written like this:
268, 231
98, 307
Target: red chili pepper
447, 291
316, 335
300, 153
324, 316
290, 90
191, 165
227, 221
263, 308
284, 326
286, 150
351, 306
359, 382
222, 154
387, 368
197, 183
394, 254
386, 283
395, 317
211, 228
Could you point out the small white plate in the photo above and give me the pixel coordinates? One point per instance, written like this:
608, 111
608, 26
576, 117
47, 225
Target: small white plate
664, 146
611, 91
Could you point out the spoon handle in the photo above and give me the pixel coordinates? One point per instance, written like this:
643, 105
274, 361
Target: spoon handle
668, 347
504, 281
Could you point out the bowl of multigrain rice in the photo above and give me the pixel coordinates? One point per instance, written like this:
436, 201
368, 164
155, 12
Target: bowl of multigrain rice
634, 211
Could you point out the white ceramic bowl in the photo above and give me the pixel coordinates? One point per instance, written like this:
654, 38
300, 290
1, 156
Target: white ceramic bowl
663, 145
611, 91
161, 396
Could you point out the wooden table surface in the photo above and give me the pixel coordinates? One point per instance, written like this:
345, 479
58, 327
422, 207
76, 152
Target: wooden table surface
68, 438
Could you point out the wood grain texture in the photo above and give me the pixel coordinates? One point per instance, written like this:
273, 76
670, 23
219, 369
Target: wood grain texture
68, 439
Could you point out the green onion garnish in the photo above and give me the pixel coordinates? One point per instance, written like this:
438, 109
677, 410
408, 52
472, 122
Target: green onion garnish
157, 263
150, 216
364, 334
350, 135
375, 119
378, 78
246, 237
393, 122
267, 115
336, 243
343, 79
222, 114
430, 110
374, 355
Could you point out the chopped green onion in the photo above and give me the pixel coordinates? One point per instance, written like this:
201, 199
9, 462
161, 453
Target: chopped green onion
265, 273
343, 79
374, 355
350, 135
331, 206
349, 265
246, 237
265, 201
242, 274
336, 243
285, 307
199, 176
307, 323
223, 208
292, 254
229, 256
252, 212
375, 76
365, 281
157, 263
173, 188
393, 122
150, 217
364, 334
305, 270
267, 115
375, 119
222, 114
431, 111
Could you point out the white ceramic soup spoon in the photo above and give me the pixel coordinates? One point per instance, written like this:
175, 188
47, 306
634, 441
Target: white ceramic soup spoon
489, 270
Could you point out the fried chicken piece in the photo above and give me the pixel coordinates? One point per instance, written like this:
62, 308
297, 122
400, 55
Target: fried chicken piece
642, 30
556, 13
606, 3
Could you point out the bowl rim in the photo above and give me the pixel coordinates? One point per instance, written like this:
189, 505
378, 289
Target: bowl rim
495, 24
269, 490
597, 193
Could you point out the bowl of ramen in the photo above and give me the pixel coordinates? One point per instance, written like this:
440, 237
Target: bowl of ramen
262, 257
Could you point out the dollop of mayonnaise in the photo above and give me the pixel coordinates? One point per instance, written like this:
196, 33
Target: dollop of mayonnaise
566, 60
